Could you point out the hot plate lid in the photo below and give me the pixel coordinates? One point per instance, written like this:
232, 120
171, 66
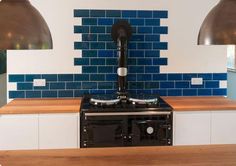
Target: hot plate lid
143, 99
104, 100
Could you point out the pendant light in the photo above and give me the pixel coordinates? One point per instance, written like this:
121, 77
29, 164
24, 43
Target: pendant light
219, 27
22, 27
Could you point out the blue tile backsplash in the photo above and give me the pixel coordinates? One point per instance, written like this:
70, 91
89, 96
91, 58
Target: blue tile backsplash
99, 61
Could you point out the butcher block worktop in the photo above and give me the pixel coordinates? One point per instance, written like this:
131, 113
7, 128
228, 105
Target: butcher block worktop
142, 156
31, 106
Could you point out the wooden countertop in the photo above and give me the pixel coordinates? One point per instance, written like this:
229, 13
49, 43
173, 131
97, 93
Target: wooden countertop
142, 156
31, 106
34, 106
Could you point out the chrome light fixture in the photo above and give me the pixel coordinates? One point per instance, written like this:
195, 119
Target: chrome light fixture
219, 27
22, 27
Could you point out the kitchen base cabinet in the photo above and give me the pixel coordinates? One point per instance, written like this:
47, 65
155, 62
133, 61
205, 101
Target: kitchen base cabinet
58, 131
223, 127
192, 128
18, 132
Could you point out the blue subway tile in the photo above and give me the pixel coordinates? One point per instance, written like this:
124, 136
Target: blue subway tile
16, 94
108, 29
97, 29
105, 85
113, 13
111, 45
144, 91
104, 37
182, 84
152, 22
137, 37
89, 21
136, 22
50, 77
80, 93
174, 76
144, 77
81, 77
136, 85
97, 13
160, 14
160, 45
189, 76
144, 61
110, 91
160, 77
152, 85
33, 94
73, 85
97, 45
145, 30
81, 29
144, 46
57, 85
105, 53
219, 76
49, 94
65, 93
160, 30
131, 61
136, 53
89, 69
89, 37
167, 84
204, 92
111, 77
161, 92
81, 61
152, 53
81, 13
175, 92
17, 78
105, 69
31, 77
152, 69
155, 38
24, 86
205, 76
105, 21
145, 14
197, 86
97, 77
97, 61
81, 45
132, 45
111, 61
129, 13
65, 77
212, 84
97, 91
220, 92
132, 77
89, 85
160, 61
189, 92
89, 53
135, 69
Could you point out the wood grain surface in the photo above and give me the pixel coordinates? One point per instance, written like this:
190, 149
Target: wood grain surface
221, 155
34, 106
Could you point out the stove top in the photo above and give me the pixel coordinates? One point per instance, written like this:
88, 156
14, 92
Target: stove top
111, 103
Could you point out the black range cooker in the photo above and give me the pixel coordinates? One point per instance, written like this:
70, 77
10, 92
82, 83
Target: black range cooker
143, 120
124, 119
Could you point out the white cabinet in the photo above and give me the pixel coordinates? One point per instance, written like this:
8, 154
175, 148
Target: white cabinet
223, 127
18, 132
57, 131
192, 128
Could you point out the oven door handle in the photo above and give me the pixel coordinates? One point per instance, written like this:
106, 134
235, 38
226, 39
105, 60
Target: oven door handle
128, 113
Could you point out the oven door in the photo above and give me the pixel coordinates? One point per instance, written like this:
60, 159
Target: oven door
150, 133
102, 132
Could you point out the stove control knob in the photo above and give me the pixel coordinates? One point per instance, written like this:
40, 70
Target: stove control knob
124, 137
150, 130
